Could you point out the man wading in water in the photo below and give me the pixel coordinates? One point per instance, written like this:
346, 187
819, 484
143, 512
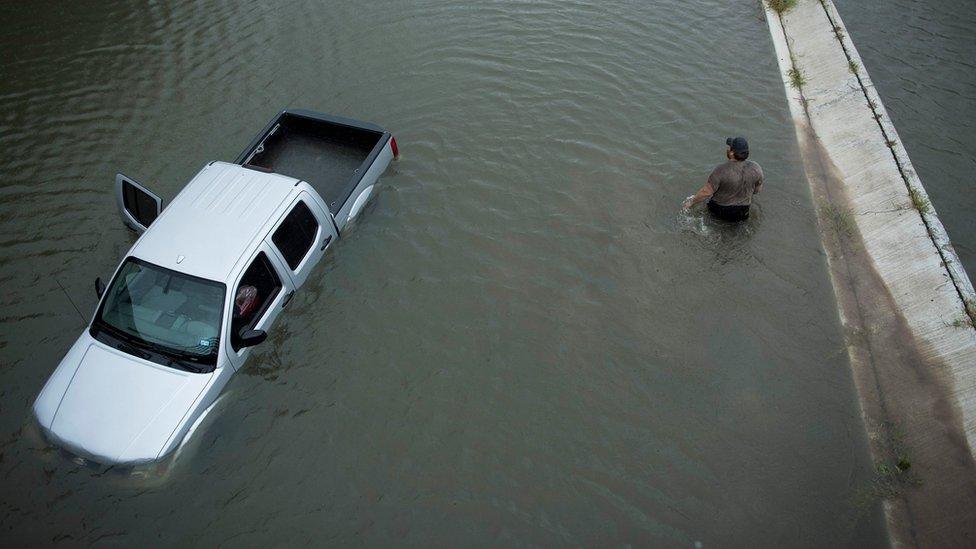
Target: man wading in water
730, 187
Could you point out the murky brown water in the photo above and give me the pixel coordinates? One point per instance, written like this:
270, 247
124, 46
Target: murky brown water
523, 341
921, 54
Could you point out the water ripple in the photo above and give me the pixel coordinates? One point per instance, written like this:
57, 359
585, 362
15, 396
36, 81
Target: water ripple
517, 343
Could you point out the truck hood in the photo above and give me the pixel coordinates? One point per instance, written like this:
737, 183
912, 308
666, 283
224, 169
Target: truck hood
118, 408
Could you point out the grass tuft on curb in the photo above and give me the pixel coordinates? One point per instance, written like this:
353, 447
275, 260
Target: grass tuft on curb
796, 78
970, 307
960, 323
839, 220
854, 66
919, 201
892, 476
780, 6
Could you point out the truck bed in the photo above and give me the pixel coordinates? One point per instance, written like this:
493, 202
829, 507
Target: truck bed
329, 153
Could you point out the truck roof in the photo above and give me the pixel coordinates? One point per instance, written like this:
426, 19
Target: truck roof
216, 218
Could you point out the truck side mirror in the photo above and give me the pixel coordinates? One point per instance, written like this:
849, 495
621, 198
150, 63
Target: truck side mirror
250, 338
99, 287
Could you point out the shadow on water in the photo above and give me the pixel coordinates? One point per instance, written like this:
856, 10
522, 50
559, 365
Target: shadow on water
904, 386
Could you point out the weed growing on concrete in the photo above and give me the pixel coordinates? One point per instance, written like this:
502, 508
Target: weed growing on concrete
796, 78
970, 307
890, 143
839, 33
919, 201
872, 104
781, 6
854, 66
839, 220
878, 116
892, 476
961, 323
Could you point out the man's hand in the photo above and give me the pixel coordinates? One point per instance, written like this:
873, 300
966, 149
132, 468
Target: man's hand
705, 193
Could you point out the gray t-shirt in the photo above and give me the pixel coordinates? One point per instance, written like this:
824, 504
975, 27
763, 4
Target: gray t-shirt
734, 182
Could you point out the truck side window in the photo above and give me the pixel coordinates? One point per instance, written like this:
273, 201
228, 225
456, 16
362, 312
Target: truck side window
295, 236
257, 289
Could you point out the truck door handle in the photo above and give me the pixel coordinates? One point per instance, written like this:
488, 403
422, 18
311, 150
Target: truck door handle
326, 243
288, 297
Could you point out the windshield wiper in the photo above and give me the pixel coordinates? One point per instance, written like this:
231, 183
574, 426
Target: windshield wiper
136, 347
125, 348
175, 357
187, 366
116, 333
159, 351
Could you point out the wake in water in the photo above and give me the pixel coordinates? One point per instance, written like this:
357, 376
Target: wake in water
727, 240
703, 224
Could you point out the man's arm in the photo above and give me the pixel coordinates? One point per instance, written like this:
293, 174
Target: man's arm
758, 186
703, 194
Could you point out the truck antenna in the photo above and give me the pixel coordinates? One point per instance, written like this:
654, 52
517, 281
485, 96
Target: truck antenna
70, 301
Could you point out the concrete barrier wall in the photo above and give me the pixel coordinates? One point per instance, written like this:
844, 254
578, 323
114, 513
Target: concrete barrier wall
904, 299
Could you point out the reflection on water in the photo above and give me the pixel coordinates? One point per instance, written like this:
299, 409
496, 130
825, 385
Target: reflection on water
518, 344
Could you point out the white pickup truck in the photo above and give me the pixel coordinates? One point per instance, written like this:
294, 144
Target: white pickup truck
204, 282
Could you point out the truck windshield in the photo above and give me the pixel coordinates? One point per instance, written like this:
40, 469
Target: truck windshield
165, 311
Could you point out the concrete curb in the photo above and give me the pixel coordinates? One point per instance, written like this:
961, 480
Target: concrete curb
932, 222
903, 297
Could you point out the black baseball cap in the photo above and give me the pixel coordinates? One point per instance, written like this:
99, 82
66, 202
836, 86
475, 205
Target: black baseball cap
739, 145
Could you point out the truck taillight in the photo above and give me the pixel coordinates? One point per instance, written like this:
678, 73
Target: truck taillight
393, 145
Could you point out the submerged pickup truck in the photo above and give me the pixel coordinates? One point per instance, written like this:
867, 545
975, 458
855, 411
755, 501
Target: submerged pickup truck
204, 282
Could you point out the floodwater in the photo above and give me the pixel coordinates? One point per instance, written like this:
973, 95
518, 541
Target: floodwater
921, 54
522, 342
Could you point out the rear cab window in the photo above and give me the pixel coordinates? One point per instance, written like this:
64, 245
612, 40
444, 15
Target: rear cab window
296, 235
